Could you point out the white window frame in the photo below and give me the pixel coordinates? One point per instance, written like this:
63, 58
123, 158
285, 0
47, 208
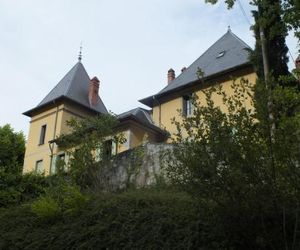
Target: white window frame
188, 107
39, 168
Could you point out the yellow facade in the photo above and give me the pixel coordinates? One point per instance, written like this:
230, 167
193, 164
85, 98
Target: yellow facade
76, 95
55, 120
138, 135
134, 135
166, 111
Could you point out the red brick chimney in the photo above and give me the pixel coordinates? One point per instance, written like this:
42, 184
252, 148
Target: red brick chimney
171, 75
94, 91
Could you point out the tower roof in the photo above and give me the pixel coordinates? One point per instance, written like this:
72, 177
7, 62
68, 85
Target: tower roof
74, 86
227, 53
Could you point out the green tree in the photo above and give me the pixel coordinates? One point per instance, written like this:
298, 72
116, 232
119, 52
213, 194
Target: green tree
289, 11
275, 18
87, 146
268, 16
249, 200
12, 149
16, 188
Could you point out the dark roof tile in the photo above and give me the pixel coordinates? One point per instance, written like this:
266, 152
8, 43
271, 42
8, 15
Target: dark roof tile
139, 113
227, 53
73, 86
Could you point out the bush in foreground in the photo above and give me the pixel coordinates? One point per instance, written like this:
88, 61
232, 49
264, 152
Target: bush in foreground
144, 219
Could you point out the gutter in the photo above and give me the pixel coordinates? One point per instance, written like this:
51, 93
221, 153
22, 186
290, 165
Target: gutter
51, 145
159, 110
30, 112
148, 100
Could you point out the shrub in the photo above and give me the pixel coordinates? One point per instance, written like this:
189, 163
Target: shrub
143, 219
45, 207
243, 166
61, 198
16, 189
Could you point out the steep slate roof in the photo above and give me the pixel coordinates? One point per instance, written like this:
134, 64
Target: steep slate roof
229, 52
141, 116
73, 86
139, 113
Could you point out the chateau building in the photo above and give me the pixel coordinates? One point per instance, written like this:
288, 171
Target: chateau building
77, 95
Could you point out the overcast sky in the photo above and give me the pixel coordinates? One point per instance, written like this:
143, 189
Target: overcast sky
128, 44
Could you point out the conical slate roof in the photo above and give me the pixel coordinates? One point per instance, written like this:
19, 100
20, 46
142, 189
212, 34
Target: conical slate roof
73, 86
228, 53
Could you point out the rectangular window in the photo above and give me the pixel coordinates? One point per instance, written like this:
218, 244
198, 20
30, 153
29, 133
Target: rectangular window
61, 160
187, 108
114, 148
39, 167
53, 165
107, 149
42, 135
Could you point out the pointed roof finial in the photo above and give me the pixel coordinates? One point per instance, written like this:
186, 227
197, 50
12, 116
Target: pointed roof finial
229, 28
80, 53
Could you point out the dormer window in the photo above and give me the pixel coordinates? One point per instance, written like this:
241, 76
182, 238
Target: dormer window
221, 54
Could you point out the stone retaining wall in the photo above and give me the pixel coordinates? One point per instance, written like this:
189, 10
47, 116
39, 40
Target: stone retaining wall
139, 167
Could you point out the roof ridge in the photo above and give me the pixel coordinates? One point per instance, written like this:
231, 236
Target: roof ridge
75, 68
146, 115
130, 110
206, 51
133, 109
239, 39
57, 85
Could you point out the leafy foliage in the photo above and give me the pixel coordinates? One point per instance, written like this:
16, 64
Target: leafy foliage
245, 183
290, 10
12, 149
86, 146
61, 198
16, 188
45, 207
145, 219
276, 17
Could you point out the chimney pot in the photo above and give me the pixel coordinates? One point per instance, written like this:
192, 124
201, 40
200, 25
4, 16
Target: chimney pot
94, 91
171, 75
95, 79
